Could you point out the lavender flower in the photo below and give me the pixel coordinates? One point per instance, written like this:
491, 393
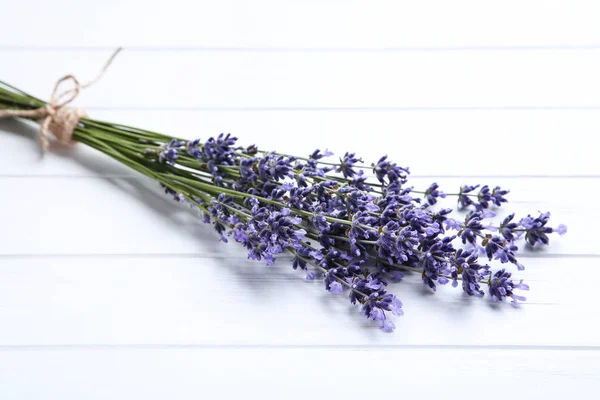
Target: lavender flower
502, 250
170, 152
502, 287
192, 148
386, 169
484, 197
359, 181
311, 168
317, 155
496, 197
464, 199
536, 230
375, 303
472, 227
397, 244
300, 256
509, 229
347, 165
274, 167
465, 264
432, 193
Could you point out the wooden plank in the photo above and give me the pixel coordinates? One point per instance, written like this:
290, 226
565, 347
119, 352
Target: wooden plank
295, 23
60, 215
147, 300
513, 79
295, 373
432, 143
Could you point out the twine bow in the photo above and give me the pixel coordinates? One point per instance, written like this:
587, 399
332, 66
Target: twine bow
57, 117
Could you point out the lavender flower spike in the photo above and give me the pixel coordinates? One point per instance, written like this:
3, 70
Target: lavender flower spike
432, 193
501, 287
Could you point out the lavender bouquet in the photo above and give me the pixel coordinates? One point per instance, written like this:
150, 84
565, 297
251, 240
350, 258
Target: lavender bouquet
353, 226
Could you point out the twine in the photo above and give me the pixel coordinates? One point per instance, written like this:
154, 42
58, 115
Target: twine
57, 118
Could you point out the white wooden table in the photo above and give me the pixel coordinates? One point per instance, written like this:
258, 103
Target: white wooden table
108, 289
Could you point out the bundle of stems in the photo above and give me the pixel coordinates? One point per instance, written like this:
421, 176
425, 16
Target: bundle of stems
356, 227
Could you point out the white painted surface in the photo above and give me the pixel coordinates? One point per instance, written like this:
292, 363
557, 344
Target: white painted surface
110, 290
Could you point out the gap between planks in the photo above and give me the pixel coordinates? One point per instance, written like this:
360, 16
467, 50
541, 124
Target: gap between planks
343, 109
159, 346
280, 49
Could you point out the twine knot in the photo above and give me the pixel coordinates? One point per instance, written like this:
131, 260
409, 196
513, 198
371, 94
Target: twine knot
56, 116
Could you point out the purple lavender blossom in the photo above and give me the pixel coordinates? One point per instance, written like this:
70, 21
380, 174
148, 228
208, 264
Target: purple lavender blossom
536, 230
317, 155
300, 256
356, 200
193, 149
465, 264
274, 167
509, 229
432, 193
472, 227
440, 218
464, 199
311, 167
492, 245
496, 196
347, 165
484, 197
375, 303
435, 261
216, 153
359, 181
502, 287
170, 152
499, 249
386, 169
397, 244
